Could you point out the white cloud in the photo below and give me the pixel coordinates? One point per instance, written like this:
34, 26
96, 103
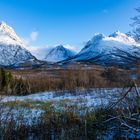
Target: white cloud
70, 47
39, 51
33, 36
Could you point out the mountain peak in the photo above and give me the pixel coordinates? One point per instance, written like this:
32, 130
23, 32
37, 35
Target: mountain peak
118, 33
5, 28
2, 23
122, 37
60, 47
8, 34
96, 38
11, 47
59, 53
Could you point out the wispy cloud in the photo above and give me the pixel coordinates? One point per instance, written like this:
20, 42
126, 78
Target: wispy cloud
70, 47
34, 35
39, 51
32, 38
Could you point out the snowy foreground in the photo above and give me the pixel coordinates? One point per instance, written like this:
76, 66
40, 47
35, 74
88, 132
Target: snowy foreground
29, 109
89, 98
31, 106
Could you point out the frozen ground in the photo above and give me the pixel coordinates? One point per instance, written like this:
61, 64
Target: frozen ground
93, 97
28, 110
31, 107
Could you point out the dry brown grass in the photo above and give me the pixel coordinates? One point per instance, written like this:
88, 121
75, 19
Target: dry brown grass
71, 79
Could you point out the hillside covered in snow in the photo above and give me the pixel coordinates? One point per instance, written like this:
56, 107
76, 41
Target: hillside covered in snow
59, 53
115, 49
12, 49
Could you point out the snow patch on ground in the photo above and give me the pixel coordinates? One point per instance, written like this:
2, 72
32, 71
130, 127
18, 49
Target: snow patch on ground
94, 97
78, 101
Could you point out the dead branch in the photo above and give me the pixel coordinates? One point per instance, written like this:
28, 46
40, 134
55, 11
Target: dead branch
112, 106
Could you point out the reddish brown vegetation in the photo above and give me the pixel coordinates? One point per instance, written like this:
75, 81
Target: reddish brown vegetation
71, 79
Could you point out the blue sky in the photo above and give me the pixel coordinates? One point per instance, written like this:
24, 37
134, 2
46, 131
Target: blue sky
51, 22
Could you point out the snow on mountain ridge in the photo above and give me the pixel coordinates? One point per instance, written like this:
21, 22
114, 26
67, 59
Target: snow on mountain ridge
12, 49
115, 49
8, 35
118, 36
59, 53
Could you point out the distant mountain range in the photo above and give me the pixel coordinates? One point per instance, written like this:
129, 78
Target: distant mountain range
116, 49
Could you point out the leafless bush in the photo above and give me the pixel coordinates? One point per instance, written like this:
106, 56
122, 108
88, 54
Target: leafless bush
127, 111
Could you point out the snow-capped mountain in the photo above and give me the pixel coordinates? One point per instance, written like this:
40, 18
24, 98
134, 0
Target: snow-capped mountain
115, 49
12, 49
59, 53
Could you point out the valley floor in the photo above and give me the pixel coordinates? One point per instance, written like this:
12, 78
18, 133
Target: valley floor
80, 104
